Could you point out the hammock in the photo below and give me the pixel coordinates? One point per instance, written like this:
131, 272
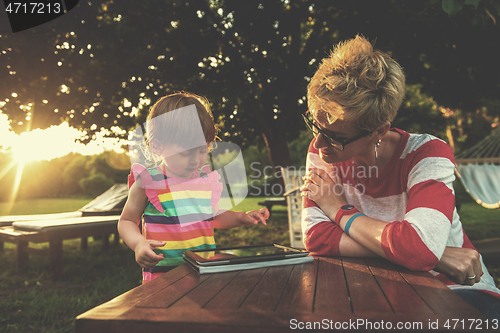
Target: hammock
479, 170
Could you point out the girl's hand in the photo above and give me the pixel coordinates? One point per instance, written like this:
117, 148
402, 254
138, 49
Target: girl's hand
325, 191
144, 254
253, 217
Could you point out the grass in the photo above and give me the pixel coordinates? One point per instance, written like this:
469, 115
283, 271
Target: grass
42, 206
276, 230
30, 301
480, 223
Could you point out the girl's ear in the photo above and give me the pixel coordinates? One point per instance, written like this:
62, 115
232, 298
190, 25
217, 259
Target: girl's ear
155, 146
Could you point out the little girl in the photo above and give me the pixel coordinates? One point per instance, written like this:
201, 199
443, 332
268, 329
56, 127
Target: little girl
178, 198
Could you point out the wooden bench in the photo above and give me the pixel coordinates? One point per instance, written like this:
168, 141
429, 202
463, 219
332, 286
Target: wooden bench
54, 232
8, 220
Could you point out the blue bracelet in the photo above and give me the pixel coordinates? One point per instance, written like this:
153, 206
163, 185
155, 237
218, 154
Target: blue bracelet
348, 224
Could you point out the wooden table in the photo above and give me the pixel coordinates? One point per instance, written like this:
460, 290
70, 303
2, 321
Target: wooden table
330, 293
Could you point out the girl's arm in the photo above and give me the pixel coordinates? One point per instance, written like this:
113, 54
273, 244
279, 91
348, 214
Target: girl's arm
230, 219
128, 227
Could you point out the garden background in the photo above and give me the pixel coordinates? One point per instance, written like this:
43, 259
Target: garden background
101, 66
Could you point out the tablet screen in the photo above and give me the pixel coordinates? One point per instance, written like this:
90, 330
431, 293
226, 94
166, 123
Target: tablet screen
245, 253
256, 251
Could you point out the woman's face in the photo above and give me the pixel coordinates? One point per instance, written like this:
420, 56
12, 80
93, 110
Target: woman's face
344, 131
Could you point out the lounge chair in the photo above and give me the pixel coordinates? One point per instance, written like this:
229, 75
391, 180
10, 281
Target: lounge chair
99, 218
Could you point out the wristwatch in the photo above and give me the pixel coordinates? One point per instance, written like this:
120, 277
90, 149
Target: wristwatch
345, 210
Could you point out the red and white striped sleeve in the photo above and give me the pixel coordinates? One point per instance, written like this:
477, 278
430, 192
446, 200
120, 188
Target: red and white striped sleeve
321, 235
419, 240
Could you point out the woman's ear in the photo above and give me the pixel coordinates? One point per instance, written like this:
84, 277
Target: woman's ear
382, 130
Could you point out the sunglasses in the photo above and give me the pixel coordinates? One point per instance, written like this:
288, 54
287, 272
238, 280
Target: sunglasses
330, 138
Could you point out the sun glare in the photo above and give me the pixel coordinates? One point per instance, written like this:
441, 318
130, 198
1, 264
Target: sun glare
53, 142
45, 144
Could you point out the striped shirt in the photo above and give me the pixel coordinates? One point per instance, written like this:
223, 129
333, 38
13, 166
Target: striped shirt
178, 212
413, 193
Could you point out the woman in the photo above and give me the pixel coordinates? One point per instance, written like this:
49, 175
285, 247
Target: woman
375, 191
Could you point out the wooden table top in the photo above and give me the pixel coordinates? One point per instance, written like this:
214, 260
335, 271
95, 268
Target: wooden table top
329, 293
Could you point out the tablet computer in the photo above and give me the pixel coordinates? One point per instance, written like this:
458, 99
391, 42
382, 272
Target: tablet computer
242, 254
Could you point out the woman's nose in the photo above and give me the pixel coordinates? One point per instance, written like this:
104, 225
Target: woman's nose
320, 142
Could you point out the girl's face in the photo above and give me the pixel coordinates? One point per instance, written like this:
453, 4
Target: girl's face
183, 163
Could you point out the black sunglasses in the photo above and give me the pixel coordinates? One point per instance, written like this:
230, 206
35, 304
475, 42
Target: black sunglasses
329, 138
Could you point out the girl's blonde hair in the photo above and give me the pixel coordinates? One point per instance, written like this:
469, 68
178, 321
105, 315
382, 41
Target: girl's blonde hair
179, 127
357, 84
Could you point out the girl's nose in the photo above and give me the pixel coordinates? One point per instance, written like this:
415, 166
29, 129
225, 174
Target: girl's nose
194, 160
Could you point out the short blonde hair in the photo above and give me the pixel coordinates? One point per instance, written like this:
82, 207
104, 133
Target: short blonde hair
357, 84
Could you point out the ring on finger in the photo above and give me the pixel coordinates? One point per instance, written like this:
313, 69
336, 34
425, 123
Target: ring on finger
471, 277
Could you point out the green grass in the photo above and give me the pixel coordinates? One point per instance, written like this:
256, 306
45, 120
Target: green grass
479, 222
30, 301
42, 206
276, 230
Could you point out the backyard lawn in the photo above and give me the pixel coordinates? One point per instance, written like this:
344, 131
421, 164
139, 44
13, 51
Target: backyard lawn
30, 301
43, 206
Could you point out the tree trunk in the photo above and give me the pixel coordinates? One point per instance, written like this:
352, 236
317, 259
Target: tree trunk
274, 136
278, 151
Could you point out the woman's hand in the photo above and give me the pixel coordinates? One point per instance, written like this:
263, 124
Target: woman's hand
144, 254
325, 191
462, 266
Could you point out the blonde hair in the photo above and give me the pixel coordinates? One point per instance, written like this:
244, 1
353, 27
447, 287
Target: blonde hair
357, 84
178, 128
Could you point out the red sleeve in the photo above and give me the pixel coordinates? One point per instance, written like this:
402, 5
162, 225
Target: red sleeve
418, 241
401, 243
323, 239
321, 236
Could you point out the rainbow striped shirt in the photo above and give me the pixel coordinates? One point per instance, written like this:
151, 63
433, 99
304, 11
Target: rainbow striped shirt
179, 211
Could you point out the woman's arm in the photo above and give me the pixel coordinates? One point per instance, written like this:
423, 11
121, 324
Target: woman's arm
400, 241
418, 240
456, 263
324, 237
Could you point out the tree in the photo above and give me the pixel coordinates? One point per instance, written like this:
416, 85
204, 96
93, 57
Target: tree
102, 65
